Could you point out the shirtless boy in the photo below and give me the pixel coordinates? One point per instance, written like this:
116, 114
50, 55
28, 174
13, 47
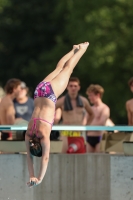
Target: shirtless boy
129, 104
101, 114
74, 108
7, 111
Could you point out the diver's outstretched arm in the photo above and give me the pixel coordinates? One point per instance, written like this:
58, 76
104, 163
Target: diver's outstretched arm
45, 143
30, 163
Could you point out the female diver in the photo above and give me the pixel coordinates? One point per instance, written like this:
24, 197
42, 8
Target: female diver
45, 96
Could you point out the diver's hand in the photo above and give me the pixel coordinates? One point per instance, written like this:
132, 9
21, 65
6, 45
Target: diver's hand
33, 182
38, 181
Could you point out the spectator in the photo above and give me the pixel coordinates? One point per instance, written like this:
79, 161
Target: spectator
7, 111
23, 104
1, 93
74, 108
101, 113
129, 104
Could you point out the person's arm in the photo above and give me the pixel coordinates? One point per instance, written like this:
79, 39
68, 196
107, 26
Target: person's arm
60, 102
45, 143
58, 114
30, 163
85, 119
129, 114
59, 105
89, 110
109, 122
10, 114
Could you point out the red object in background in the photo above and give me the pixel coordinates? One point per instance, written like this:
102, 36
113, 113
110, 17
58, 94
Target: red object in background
76, 145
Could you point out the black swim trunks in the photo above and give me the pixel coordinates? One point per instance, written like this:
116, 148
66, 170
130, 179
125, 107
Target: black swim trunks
93, 140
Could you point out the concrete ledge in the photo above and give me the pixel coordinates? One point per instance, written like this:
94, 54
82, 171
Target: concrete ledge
69, 177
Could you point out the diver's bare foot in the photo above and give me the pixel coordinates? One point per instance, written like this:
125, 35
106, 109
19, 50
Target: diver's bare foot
84, 46
75, 48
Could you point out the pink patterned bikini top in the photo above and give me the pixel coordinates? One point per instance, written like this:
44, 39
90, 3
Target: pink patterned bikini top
34, 125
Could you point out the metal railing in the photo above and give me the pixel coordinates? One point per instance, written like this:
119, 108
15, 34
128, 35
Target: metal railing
71, 128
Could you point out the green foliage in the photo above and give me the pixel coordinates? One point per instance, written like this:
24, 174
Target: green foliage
35, 34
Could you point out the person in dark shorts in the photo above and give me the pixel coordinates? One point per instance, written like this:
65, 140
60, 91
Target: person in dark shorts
101, 114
